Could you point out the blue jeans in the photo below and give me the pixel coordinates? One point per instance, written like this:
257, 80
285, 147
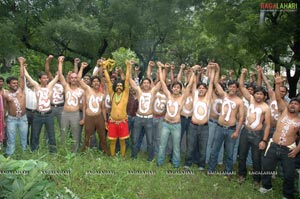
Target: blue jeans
250, 139
12, 124
38, 121
274, 154
174, 130
157, 122
147, 124
222, 135
212, 124
236, 150
196, 134
185, 124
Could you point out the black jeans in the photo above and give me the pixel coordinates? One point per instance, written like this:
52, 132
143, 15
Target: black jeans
274, 154
250, 139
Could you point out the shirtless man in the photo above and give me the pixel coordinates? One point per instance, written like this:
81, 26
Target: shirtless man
256, 131
70, 116
171, 122
159, 109
14, 103
43, 113
95, 114
215, 111
282, 146
197, 135
118, 120
229, 124
144, 116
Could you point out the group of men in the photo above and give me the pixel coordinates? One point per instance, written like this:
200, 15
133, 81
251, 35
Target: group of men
212, 117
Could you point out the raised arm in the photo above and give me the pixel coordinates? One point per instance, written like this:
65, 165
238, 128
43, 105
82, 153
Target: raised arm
211, 73
60, 71
79, 77
31, 81
216, 81
191, 81
22, 66
162, 79
179, 76
128, 73
104, 65
149, 69
242, 87
280, 101
271, 92
47, 67
259, 76
172, 67
76, 62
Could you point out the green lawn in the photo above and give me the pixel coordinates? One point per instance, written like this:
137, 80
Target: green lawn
92, 175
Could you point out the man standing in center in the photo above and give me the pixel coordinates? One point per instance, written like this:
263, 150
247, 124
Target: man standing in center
144, 115
229, 124
70, 116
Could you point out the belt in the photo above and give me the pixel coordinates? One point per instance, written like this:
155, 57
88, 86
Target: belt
30, 110
44, 113
199, 124
227, 127
171, 122
186, 117
57, 105
144, 116
213, 121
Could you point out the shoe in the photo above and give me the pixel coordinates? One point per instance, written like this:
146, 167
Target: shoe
186, 167
201, 169
241, 179
264, 190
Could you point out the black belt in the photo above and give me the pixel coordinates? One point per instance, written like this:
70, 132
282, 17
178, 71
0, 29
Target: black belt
213, 121
57, 105
199, 124
30, 110
186, 117
227, 127
44, 113
171, 122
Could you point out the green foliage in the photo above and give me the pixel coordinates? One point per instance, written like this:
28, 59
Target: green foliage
122, 55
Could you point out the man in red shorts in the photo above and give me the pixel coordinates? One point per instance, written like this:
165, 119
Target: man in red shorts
118, 121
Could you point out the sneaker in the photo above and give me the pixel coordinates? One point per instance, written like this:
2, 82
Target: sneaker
186, 167
201, 169
264, 190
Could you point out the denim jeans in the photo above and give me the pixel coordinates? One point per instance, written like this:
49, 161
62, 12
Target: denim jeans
12, 124
157, 122
38, 122
236, 150
30, 115
274, 154
185, 124
147, 124
212, 124
222, 135
175, 131
196, 134
250, 139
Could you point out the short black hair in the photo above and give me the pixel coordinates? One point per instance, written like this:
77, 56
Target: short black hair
146, 78
295, 99
42, 73
177, 83
11, 78
260, 89
94, 77
201, 84
230, 82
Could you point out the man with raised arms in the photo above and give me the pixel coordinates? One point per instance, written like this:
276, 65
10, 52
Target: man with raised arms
144, 116
95, 114
229, 124
282, 146
118, 120
256, 131
171, 122
14, 103
43, 114
70, 116
197, 134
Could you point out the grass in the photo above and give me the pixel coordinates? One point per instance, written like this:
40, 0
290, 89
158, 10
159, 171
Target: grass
92, 175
